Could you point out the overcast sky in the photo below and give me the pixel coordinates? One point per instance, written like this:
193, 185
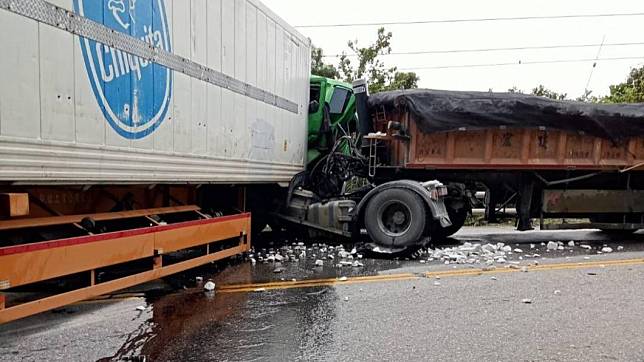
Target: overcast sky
569, 78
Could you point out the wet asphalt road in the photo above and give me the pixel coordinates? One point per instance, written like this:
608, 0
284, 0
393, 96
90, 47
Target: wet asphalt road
576, 312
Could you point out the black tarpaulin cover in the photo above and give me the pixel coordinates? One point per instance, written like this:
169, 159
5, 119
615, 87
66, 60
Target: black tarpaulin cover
438, 110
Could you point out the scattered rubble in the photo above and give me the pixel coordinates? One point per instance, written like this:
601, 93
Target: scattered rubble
526, 301
209, 286
199, 279
606, 249
140, 308
343, 279
620, 248
319, 262
557, 292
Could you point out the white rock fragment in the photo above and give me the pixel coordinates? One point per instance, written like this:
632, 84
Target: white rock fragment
552, 245
620, 248
253, 261
587, 247
560, 247
199, 279
343, 279
279, 258
437, 283
532, 246
524, 269
260, 290
209, 286
357, 264
319, 262
586, 258
571, 243
557, 292
526, 301
331, 257
422, 261
140, 308
346, 299
607, 249
493, 278
506, 248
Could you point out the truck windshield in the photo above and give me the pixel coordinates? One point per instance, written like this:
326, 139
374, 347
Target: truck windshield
338, 100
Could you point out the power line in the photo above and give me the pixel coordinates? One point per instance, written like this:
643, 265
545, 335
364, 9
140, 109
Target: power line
472, 20
481, 50
521, 63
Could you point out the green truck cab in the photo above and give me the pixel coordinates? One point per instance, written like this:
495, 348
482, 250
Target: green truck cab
332, 114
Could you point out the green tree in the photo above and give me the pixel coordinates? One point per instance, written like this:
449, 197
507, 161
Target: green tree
318, 67
631, 91
542, 91
370, 65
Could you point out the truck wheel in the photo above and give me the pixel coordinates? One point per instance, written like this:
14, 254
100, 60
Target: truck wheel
457, 217
395, 217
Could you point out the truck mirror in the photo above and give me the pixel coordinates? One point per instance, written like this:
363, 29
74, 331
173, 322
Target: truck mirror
314, 106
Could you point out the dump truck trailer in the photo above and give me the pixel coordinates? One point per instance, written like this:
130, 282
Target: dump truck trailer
136, 137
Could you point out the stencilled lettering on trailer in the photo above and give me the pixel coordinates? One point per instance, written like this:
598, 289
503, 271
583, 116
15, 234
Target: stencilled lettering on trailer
140, 91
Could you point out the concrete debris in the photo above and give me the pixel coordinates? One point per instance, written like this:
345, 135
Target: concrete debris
278, 270
319, 262
423, 261
532, 246
354, 251
607, 249
560, 247
140, 308
209, 286
524, 269
357, 264
620, 248
526, 301
346, 263
437, 283
343, 279
513, 266
557, 292
507, 248
571, 243
346, 299
279, 258
552, 245
331, 257
260, 290
586, 258
253, 261
587, 247
199, 279
518, 251
493, 278
359, 256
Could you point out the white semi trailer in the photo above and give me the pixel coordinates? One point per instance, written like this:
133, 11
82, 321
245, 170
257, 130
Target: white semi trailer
133, 134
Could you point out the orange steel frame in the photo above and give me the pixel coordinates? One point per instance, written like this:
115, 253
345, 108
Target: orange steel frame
30, 263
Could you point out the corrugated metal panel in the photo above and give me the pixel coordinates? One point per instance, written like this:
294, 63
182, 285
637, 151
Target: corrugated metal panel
53, 129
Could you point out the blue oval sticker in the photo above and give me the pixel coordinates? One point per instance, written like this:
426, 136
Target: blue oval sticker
133, 93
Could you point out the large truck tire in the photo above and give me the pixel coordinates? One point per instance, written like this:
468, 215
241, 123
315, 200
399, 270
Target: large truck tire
457, 217
396, 217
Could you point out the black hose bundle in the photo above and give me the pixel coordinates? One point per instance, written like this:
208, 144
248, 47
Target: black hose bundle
343, 163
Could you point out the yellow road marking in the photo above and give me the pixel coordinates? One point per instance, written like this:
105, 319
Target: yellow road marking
244, 288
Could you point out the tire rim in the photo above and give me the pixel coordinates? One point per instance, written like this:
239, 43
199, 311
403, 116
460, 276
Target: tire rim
394, 218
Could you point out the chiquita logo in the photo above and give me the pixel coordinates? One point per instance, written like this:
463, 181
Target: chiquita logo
133, 93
